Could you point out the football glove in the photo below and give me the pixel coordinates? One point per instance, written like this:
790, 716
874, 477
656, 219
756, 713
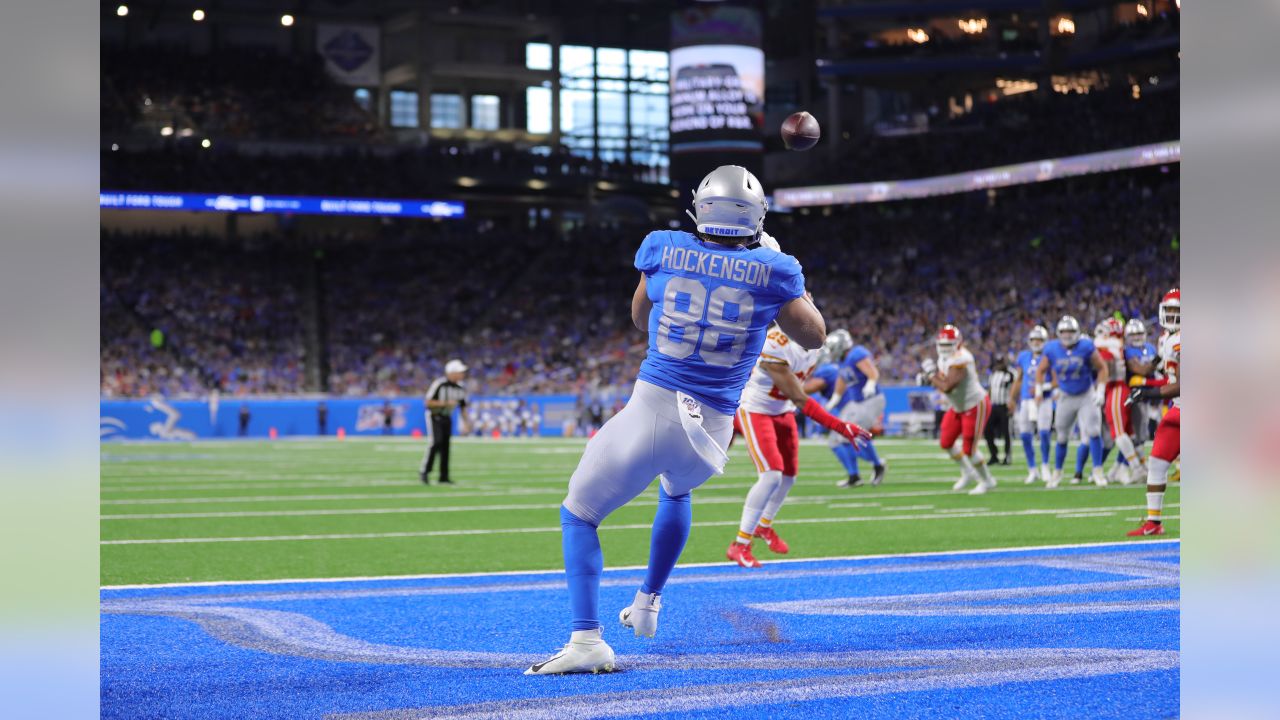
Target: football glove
928, 366
1144, 393
853, 433
767, 240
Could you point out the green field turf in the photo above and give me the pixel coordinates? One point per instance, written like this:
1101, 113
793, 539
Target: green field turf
339, 508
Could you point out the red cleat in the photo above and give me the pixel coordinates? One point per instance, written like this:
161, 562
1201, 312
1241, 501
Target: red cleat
770, 536
1147, 528
741, 554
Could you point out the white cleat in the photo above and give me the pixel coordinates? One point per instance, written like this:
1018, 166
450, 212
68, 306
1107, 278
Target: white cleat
1032, 477
1099, 478
642, 614
1055, 479
982, 488
1117, 474
1136, 474
961, 484
1045, 474
587, 652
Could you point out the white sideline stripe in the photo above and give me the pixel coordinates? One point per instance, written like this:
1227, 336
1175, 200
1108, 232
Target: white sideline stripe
557, 571
639, 526
428, 494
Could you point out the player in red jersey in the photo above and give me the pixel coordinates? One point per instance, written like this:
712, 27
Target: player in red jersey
766, 418
955, 374
1115, 405
1167, 445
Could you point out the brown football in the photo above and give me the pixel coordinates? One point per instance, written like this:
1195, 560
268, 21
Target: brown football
800, 131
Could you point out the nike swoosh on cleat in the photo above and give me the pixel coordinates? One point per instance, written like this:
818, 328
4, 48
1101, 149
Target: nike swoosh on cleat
538, 666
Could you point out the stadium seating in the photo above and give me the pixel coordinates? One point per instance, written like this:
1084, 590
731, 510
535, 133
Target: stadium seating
396, 309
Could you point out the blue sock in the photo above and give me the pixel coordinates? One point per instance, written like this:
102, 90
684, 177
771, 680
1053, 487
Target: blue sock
671, 525
1106, 453
869, 454
583, 564
1120, 459
1082, 452
1044, 446
1029, 449
1059, 456
848, 458
1095, 449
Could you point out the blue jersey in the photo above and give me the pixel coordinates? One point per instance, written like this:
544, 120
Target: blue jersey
1071, 366
854, 379
827, 372
711, 307
1028, 362
1144, 354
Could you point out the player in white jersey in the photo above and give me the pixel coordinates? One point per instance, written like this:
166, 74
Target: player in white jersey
956, 375
766, 418
1168, 441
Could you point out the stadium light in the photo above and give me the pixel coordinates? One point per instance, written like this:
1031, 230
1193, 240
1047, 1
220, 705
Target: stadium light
206, 143
537, 184
197, 15
465, 181
166, 131
122, 10
1142, 10
286, 20
972, 26
1066, 26
917, 35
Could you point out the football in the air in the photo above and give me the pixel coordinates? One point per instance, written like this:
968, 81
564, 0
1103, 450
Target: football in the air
800, 131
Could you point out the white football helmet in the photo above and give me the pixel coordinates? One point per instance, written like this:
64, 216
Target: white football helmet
1069, 330
1171, 310
1135, 333
729, 203
948, 341
838, 343
1036, 339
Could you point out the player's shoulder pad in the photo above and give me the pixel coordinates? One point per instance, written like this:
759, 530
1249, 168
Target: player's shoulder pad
649, 256
786, 273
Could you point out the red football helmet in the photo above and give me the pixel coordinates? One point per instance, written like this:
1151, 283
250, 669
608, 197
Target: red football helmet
1111, 327
1171, 310
948, 340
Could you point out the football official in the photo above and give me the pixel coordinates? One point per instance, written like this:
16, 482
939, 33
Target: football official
445, 394
999, 383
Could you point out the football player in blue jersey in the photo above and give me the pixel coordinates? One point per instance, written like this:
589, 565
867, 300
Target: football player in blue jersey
857, 399
1075, 366
822, 381
706, 301
1032, 418
1140, 359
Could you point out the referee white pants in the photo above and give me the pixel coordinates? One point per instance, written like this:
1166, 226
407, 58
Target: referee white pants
1030, 419
644, 440
1077, 407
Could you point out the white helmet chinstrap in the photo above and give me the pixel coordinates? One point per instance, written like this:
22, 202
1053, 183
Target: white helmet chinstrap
729, 202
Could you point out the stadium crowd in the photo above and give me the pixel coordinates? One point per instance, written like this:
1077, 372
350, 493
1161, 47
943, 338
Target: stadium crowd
396, 308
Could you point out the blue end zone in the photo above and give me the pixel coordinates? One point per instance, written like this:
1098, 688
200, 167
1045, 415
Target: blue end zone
1076, 632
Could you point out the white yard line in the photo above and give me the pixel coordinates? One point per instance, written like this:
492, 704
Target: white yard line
555, 529
557, 571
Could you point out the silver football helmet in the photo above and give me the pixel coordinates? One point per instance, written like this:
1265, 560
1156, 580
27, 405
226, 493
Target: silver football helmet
1036, 339
838, 343
1135, 332
1069, 330
730, 203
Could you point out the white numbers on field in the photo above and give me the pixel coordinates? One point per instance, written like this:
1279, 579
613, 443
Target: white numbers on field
728, 315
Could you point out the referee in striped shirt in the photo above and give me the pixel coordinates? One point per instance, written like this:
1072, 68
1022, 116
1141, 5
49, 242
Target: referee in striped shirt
444, 395
999, 384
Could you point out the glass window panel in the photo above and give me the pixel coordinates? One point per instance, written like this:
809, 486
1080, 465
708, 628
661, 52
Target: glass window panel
613, 114
648, 65
404, 109
537, 56
611, 62
485, 111
537, 109
577, 61
446, 111
576, 112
